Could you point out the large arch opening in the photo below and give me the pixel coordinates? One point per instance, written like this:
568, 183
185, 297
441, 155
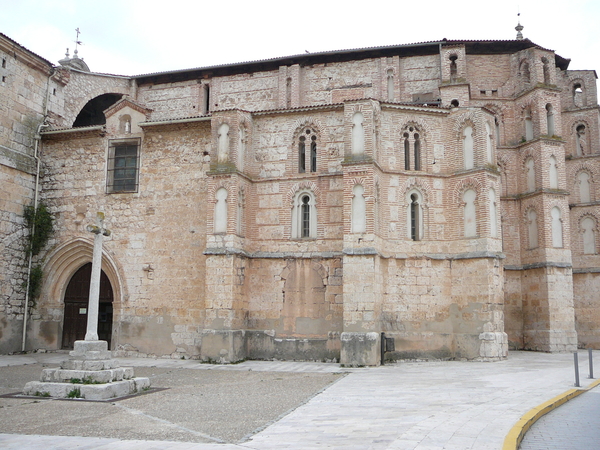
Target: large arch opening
93, 111
76, 304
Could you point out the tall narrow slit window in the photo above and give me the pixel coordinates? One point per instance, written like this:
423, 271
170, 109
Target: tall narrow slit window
123, 165
305, 216
414, 217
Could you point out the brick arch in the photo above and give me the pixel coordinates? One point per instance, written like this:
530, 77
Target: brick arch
418, 184
573, 124
468, 118
465, 185
301, 124
306, 184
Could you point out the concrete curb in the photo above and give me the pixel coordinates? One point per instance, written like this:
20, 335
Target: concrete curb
517, 433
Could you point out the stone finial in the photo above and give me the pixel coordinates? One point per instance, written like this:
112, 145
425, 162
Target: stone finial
519, 28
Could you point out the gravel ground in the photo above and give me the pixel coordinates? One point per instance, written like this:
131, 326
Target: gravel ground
198, 406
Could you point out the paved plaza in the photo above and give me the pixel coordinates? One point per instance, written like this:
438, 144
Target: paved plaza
296, 405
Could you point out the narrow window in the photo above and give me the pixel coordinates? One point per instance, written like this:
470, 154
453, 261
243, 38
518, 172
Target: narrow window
488, 144
302, 154
414, 217
497, 126
468, 153
588, 231
240, 213
123, 167
553, 173
580, 138
546, 71
550, 119
493, 214
313, 154
206, 99
453, 68
358, 134
417, 145
305, 210
578, 94
525, 72
470, 223
304, 216
583, 179
406, 152
528, 126
390, 85
4, 63
532, 228
530, 167
359, 210
557, 230
307, 151
221, 211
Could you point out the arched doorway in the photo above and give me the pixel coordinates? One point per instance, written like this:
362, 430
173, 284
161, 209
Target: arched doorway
76, 306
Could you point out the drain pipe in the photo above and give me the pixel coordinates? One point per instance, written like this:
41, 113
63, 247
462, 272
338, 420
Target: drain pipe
35, 205
36, 155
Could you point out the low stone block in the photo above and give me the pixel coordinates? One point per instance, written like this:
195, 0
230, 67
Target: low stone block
360, 349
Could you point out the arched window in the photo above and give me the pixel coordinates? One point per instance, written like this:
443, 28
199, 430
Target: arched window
583, 179
530, 168
359, 210
497, 126
557, 228
553, 173
588, 232
550, 119
470, 220
304, 215
468, 153
307, 151
412, 144
221, 211
532, 228
415, 223
578, 95
581, 140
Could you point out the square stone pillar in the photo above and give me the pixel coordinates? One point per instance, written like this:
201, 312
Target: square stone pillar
362, 309
223, 337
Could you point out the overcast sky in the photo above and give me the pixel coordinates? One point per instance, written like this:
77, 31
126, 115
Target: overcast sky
131, 37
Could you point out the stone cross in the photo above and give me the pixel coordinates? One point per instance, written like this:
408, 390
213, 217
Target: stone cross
94, 299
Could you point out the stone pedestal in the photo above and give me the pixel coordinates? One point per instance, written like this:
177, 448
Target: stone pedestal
89, 373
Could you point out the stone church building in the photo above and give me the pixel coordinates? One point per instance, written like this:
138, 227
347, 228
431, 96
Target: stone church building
444, 193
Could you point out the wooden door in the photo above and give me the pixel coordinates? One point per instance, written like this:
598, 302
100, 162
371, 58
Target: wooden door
76, 306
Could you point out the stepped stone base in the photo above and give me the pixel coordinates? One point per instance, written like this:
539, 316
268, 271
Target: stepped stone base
96, 376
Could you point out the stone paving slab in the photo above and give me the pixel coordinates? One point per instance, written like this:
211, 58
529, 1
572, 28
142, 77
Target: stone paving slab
413, 405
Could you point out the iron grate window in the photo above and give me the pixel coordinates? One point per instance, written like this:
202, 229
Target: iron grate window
123, 168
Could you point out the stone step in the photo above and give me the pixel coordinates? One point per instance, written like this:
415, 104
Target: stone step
87, 376
87, 391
